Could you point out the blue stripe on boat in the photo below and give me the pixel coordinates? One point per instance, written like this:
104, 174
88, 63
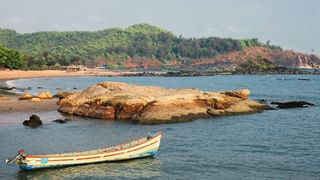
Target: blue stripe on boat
26, 167
152, 153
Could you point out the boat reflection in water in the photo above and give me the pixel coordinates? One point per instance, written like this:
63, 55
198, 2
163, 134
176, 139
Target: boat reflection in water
141, 168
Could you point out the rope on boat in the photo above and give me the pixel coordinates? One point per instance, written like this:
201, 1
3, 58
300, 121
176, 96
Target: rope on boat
20, 156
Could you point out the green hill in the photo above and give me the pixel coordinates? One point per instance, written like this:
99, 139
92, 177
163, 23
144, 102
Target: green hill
115, 46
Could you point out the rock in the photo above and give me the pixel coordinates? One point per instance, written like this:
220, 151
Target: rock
35, 99
292, 104
151, 105
45, 95
303, 79
34, 121
62, 121
243, 93
26, 96
63, 94
241, 107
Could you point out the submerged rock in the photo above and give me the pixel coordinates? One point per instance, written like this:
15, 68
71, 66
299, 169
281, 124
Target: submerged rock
62, 121
292, 104
150, 104
34, 121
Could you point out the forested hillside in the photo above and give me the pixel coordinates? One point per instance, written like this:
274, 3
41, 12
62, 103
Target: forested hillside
138, 46
116, 46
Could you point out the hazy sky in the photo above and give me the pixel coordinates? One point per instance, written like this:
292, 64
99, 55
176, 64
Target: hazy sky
293, 24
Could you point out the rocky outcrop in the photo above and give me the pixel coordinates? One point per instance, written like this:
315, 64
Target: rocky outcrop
34, 121
282, 58
242, 94
26, 96
41, 95
150, 104
292, 104
45, 95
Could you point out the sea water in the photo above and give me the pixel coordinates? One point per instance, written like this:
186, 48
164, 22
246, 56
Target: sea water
277, 144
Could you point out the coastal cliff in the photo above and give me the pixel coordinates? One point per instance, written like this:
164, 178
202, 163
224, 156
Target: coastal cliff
153, 105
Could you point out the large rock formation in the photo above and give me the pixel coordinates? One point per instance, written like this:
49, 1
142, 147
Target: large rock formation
150, 104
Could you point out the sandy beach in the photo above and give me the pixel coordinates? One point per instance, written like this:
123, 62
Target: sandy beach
18, 74
9, 102
14, 111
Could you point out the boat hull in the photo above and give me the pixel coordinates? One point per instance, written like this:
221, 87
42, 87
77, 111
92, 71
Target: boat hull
144, 147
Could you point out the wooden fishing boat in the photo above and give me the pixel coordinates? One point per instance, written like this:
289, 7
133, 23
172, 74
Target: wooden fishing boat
144, 147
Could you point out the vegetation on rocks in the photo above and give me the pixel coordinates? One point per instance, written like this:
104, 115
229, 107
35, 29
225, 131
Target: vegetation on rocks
259, 64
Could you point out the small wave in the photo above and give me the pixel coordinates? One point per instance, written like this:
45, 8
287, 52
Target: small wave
10, 83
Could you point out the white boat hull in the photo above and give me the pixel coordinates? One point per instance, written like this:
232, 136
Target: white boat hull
136, 149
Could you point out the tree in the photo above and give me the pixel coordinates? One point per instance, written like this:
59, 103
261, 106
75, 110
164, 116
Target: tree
11, 58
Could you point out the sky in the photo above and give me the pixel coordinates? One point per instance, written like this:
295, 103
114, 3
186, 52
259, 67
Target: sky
292, 24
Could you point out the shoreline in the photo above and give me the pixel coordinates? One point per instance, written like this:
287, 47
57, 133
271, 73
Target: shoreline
14, 111
19, 74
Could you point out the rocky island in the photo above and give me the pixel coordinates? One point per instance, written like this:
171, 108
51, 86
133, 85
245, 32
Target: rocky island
153, 105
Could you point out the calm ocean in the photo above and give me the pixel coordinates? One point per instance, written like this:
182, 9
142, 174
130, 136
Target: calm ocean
278, 144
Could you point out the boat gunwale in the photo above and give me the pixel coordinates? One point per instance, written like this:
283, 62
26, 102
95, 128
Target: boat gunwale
28, 157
